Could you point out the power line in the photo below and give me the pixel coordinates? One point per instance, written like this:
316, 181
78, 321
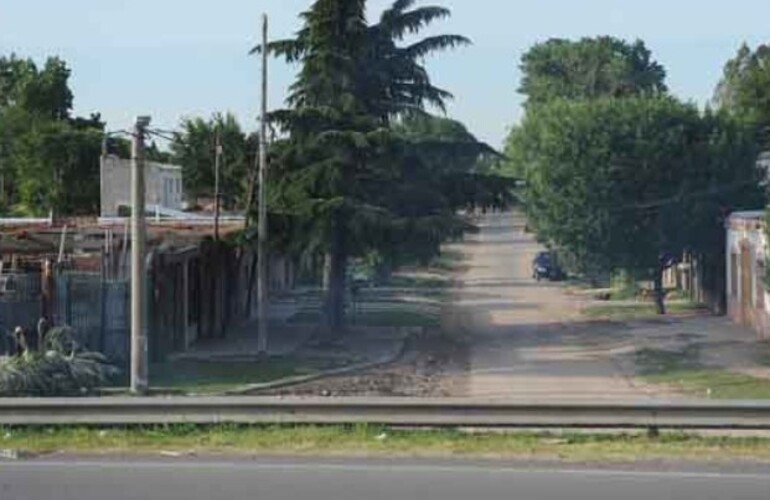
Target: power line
681, 197
163, 134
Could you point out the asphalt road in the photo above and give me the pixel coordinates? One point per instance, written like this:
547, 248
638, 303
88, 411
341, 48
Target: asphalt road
300, 479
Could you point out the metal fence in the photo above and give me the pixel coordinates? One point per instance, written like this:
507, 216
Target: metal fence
20, 305
96, 309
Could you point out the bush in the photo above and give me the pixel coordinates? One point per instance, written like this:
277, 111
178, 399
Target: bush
60, 368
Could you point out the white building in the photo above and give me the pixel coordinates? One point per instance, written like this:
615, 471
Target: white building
163, 186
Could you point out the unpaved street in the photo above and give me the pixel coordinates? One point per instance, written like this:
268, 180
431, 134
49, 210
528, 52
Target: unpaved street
505, 336
527, 339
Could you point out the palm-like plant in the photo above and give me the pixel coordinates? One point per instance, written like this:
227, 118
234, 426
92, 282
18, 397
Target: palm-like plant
60, 368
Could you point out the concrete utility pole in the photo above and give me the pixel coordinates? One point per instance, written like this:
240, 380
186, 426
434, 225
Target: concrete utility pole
2, 178
139, 380
217, 160
262, 252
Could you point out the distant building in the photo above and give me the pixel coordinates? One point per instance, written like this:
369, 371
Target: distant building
163, 186
748, 301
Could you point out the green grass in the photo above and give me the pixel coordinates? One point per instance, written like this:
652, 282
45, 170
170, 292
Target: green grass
380, 441
638, 311
419, 282
715, 384
387, 318
221, 376
448, 261
682, 370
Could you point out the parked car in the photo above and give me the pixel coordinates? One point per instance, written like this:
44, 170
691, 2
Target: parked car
545, 266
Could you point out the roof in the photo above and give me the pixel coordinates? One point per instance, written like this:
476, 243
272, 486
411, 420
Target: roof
747, 221
749, 215
88, 235
116, 161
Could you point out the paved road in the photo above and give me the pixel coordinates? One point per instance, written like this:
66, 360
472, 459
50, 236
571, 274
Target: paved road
359, 480
528, 338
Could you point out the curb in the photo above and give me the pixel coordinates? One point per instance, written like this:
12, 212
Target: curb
302, 379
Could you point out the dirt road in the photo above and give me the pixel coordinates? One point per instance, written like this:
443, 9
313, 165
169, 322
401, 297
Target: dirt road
527, 339
505, 336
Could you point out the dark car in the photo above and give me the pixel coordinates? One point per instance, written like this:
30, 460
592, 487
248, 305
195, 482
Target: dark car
544, 266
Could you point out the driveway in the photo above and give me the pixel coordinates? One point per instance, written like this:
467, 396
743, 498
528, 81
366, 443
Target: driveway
528, 339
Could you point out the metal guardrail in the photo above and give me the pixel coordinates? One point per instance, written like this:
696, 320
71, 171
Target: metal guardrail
395, 412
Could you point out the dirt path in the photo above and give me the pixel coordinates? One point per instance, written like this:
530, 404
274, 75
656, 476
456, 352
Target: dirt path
505, 336
528, 340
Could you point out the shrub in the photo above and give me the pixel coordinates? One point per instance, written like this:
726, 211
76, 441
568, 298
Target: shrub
60, 368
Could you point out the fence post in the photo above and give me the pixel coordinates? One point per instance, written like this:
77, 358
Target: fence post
103, 321
67, 300
47, 292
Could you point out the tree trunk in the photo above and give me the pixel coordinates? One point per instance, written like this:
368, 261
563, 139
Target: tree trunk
660, 294
335, 273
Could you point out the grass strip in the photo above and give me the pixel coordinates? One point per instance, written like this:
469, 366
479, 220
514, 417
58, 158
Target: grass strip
380, 441
637, 311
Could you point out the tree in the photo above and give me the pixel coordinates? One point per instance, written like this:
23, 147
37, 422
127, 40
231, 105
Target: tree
342, 167
588, 69
624, 184
745, 86
456, 163
43, 92
44, 151
50, 159
194, 149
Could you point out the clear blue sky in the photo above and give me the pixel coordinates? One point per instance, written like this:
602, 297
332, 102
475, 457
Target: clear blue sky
175, 58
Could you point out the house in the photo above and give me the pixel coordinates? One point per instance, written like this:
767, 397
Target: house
748, 302
163, 186
77, 274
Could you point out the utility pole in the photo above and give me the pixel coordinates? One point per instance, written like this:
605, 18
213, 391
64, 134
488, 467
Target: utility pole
2, 179
139, 380
262, 252
217, 160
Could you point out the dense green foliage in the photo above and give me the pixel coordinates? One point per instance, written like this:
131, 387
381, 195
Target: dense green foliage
352, 175
44, 151
620, 177
589, 68
745, 87
616, 183
194, 149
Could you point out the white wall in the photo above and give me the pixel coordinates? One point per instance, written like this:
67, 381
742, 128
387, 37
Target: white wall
163, 185
758, 241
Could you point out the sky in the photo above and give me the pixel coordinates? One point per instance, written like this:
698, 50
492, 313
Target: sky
180, 58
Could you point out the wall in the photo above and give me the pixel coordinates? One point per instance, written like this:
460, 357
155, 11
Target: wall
747, 296
202, 294
163, 185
